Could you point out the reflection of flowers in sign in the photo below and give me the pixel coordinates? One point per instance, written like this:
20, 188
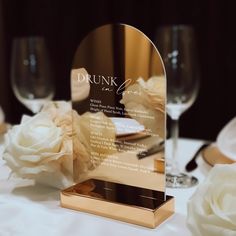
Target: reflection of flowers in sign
147, 97
212, 209
94, 141
40, 147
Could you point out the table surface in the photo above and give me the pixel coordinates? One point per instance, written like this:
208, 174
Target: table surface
34, 210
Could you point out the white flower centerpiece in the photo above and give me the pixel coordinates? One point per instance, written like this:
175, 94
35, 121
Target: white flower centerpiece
41, 146
212, 209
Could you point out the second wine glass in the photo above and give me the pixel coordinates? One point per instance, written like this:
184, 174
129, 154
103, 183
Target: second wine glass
31, 77
178, 50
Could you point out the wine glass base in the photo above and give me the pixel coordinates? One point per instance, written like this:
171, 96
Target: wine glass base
180, 180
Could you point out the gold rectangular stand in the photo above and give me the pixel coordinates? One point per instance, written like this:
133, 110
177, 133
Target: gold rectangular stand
130, 204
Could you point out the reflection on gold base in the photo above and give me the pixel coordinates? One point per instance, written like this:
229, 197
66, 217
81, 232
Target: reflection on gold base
121, 202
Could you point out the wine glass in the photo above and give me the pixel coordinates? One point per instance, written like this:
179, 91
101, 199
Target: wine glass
178, 50
31, 78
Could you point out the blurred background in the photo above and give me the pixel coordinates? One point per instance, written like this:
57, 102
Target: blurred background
63, 24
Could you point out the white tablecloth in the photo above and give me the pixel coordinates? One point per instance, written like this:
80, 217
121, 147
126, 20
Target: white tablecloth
34, 210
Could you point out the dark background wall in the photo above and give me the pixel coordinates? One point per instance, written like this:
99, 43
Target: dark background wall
65, 23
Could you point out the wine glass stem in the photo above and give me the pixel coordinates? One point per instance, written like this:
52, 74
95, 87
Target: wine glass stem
174, 137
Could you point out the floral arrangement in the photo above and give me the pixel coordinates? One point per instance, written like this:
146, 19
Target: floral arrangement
212, 209
41, 146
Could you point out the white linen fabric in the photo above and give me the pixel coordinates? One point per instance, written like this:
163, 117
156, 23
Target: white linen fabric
27, 210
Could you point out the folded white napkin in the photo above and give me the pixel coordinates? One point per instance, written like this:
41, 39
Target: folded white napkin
226, 140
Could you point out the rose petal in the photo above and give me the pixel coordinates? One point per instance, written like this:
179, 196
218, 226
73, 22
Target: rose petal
58, 179
51, 167
30, 158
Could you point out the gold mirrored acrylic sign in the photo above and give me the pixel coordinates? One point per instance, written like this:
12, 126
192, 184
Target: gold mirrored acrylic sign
118, 89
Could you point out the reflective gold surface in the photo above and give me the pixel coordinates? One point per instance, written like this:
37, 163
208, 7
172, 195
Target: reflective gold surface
118, 71
121, 202
118, 87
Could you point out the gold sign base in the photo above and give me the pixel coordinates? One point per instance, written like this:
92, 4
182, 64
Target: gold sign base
118, 201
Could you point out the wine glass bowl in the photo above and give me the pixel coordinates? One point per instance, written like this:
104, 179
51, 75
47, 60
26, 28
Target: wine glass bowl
177, 47
31, 77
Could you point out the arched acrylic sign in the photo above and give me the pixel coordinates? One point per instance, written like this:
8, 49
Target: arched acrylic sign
119, 90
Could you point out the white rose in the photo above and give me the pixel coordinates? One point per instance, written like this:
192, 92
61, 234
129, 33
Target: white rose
40, 150
212, 209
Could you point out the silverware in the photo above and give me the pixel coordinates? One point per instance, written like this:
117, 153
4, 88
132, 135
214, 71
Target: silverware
192, 164
152, 150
